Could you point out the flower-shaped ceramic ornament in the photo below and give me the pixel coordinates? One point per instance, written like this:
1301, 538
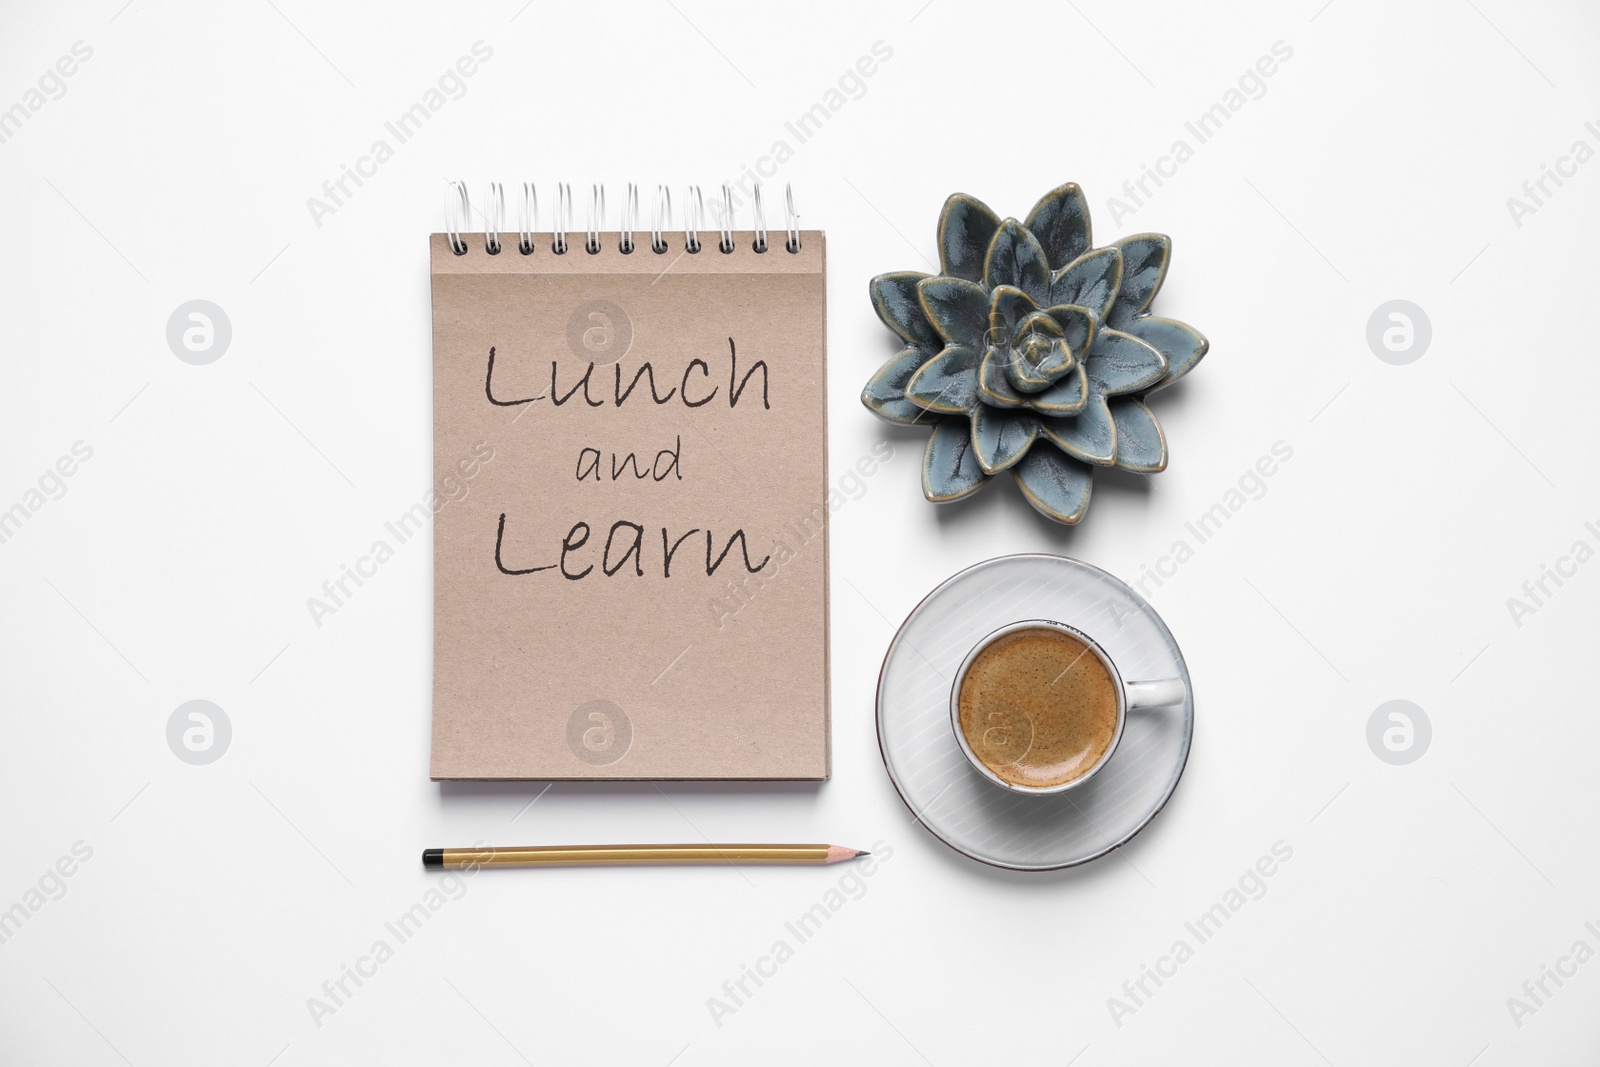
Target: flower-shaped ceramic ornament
1031, 351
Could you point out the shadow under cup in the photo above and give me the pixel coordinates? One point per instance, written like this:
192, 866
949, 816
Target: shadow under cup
1038, 707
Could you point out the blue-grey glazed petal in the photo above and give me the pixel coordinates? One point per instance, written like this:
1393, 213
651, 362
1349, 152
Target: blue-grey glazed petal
1015, 258
1078, 327
950, 470
1039, 322
966, 226
1182, 344
1141, 446
1001, 438
947, 383
885, 394
1060, 220
1066, 396
1090, 435
994, 384
958, 309
1092, 281
1120, 363
1017, 369
894, 297
1056, 485
1144, 268
1028, 376
1008, 306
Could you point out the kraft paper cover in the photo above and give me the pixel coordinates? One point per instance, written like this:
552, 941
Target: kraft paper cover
598, 616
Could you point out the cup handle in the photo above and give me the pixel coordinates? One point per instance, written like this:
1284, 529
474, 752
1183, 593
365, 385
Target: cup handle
1160, 694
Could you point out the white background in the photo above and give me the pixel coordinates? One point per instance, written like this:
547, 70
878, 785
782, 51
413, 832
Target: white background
1376, 565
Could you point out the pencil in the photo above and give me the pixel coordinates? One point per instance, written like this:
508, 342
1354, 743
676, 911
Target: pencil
634, 855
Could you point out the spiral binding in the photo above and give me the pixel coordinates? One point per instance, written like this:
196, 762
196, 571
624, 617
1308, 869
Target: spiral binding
597, 218
563, 217
494, 219
458, 216
527, 220
630, 219
661, 219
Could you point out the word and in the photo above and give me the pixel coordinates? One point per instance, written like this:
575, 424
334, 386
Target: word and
737, 992
851, 85
645, 371
1252, 85
1537, 591
1251, 885
337, 991
451, 85
589, 464
1537, 190
50, 486
51, 85
802, 530
452, 488
1252, 485
1536, 992
51, 885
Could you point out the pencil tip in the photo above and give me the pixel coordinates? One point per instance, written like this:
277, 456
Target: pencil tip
839, 854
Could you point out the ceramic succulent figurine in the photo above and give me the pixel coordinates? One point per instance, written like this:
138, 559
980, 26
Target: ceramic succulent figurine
1031, 351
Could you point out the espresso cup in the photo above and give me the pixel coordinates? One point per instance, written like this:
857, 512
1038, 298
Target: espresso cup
1038, 707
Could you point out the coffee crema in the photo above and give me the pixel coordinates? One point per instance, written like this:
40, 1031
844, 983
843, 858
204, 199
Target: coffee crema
1038, 707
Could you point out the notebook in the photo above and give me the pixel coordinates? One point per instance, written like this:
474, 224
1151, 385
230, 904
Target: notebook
630, 526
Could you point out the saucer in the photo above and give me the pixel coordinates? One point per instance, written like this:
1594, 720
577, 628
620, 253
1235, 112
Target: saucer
947, 794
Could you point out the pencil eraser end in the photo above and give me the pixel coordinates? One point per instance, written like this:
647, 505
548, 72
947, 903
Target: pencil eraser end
433, 859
